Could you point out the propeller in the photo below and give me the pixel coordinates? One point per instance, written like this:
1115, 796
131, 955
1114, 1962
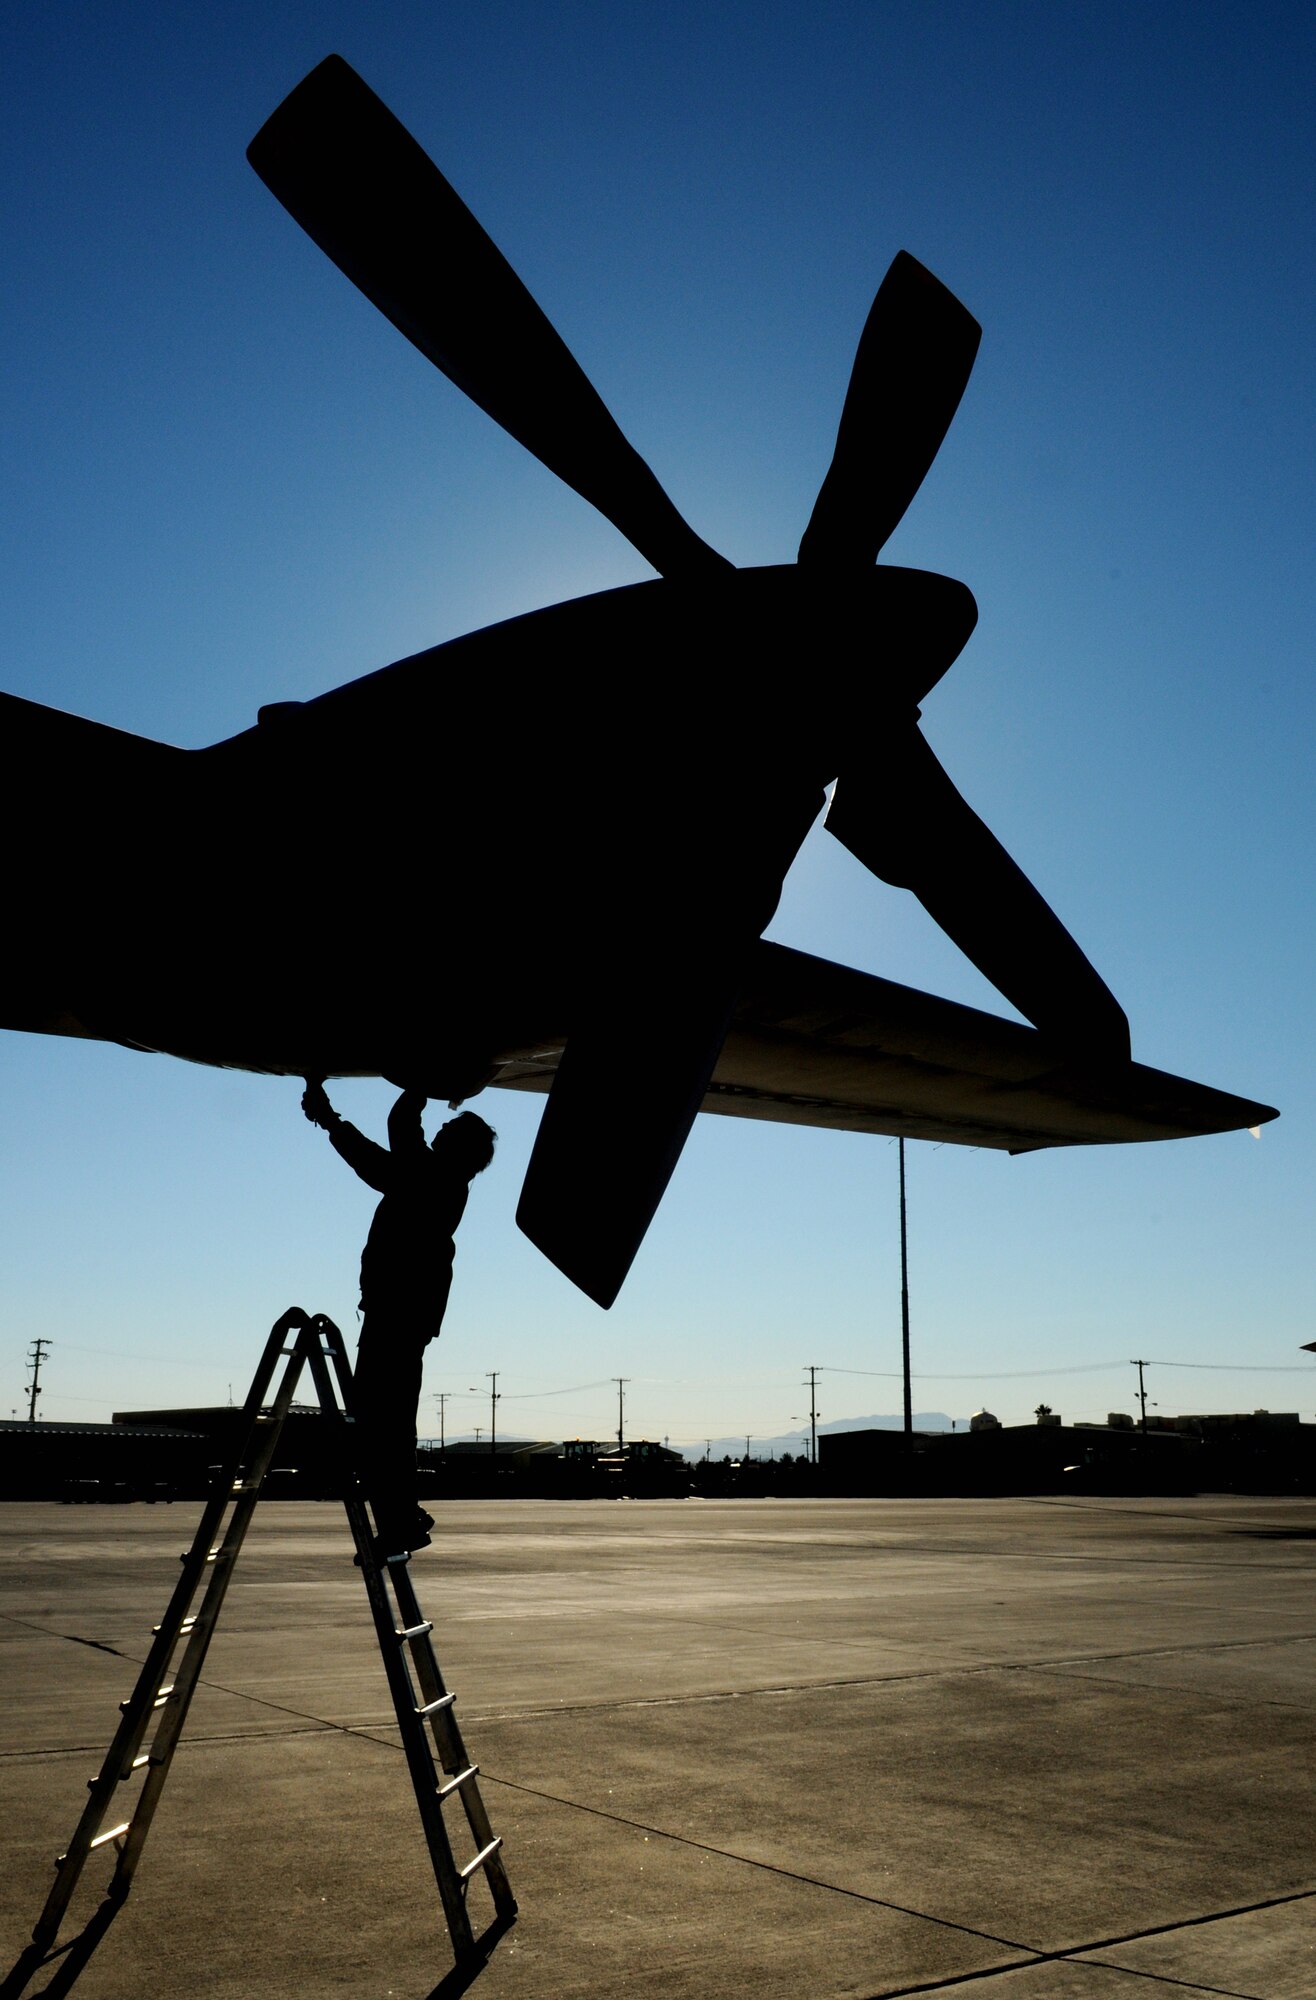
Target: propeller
899, 813
594, 1179
911, 368
670, 974
895, 809
360, 186
363, 189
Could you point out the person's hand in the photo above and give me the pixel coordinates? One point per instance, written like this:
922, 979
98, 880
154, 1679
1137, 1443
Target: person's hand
316, 1105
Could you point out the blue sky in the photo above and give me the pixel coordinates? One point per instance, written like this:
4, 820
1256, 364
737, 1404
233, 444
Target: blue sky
229, 481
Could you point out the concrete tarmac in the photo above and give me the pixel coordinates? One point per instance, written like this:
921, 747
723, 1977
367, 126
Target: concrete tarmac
1013, 1749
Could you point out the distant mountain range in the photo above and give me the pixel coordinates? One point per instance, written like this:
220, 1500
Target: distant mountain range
794, 1442
797, 1442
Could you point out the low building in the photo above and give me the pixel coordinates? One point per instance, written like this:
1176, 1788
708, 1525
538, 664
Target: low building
992, 1459
118, 1461
307, 1458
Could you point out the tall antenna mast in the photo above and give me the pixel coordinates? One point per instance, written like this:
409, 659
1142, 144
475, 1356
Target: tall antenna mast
904, 1299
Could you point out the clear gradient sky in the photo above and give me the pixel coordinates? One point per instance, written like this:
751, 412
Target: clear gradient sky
228, 481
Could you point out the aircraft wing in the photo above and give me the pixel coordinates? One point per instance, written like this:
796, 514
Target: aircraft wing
814, 1043
103, 947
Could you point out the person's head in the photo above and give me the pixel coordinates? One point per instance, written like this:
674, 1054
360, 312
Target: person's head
467, 1140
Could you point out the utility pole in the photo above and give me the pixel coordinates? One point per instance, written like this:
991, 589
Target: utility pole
621, 1381
1142, 1392
492, 1373
441, 1396
904, 1300
813, 1412
37, 1354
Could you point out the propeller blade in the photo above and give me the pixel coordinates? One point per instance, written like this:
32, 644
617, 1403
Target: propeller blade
598, 1172
914, 359
361, 187
903, 818
662, 971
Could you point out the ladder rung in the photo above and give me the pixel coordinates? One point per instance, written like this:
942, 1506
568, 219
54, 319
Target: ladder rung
115, 1833
186, 1626
415, 1631
433, 1707
464, 1874
164, 1695
125, 1773
455, 1784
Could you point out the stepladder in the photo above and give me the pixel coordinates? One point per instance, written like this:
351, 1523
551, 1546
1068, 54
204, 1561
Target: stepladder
123, 1796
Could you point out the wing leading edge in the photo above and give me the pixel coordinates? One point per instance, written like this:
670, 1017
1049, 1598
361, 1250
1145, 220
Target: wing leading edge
814, 1043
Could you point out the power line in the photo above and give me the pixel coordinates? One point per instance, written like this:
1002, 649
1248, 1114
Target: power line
1233, 1367
121, 1354
1086, 1368
988, 1375
577, 1389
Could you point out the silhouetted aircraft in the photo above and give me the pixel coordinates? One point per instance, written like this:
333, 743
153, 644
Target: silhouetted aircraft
543, 856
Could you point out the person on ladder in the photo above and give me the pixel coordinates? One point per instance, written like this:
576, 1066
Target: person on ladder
406, 1274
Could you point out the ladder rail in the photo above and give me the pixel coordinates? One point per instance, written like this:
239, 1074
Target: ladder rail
242, 1493
138, 1711
426, 1698
447, 1874
419, 1762
437, 1706
122, 1756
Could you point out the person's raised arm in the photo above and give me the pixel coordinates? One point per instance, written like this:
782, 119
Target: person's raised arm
369, 1161
405, 1132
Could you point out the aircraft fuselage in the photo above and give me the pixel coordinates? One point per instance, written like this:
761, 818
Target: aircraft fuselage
428, 867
